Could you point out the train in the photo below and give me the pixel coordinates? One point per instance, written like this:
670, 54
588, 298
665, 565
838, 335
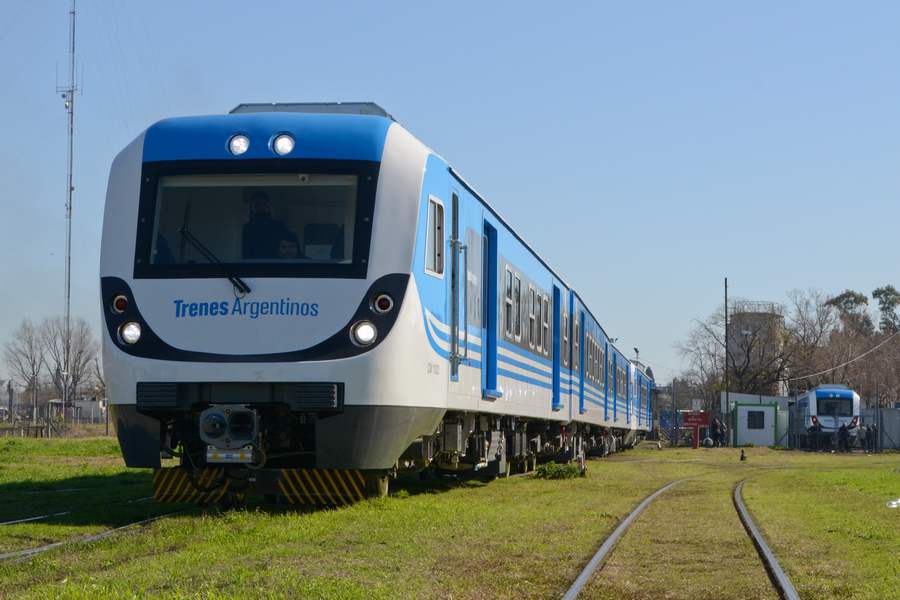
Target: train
302, 300
820, 412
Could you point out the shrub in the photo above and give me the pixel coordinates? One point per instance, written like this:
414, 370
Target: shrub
553, 470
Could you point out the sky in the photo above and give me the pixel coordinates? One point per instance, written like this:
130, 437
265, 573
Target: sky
645, 149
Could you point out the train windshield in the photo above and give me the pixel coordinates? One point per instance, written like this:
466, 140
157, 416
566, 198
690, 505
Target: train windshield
279, 224
834, 407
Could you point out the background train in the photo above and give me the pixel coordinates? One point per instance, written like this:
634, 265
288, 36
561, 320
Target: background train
301, 299
821, 411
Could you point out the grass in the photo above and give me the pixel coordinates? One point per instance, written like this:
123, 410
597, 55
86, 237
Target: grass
85, 478
832, 528
516, 538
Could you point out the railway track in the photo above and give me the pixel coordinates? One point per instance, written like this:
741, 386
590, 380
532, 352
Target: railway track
777, 576
20, 555
610, 542
66, 512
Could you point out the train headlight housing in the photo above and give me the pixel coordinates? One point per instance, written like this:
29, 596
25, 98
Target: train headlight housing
214, 425
382, 304
283, 144
238, 144
130, 332
119, 303
363, 333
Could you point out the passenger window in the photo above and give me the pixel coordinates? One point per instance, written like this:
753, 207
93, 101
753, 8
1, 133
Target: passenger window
532, 335
565, 340
434, 243
601, 364
517, 298
546, 326
576, 359
508, 305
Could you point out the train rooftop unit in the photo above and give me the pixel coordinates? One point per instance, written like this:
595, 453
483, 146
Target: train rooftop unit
299, 299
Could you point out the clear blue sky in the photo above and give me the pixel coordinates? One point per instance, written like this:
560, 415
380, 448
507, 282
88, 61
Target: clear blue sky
681, 142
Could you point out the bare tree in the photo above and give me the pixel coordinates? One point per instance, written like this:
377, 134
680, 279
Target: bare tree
81, 354
25, 357
98, 381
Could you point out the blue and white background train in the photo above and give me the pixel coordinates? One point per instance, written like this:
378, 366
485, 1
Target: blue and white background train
426, 331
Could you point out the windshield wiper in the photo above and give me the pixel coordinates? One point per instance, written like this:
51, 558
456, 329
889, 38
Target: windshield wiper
239, 284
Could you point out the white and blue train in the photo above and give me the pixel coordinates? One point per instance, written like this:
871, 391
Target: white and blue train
822, 411
301, 299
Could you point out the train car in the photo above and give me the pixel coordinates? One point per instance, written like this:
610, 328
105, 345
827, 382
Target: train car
302, 299
822, 411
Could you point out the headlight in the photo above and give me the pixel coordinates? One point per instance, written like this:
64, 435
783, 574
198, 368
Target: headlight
238, 144
283, 144
363, 333
214, 425
130, 332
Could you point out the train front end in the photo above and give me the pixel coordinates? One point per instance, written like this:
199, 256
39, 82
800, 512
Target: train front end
256, 291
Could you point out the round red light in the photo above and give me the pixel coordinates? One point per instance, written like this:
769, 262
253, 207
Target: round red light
120, 303
383, 303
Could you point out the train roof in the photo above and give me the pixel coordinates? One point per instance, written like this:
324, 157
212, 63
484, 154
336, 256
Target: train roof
343, 108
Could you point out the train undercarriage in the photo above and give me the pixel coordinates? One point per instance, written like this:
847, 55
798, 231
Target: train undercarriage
226, 453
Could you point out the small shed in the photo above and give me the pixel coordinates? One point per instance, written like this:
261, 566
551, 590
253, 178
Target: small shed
757, 424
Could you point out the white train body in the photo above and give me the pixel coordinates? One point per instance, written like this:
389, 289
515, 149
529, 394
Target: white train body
462, 358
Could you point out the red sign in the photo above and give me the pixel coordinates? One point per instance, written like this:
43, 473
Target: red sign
695, 419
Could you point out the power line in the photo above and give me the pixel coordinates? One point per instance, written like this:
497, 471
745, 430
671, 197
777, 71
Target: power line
852, 360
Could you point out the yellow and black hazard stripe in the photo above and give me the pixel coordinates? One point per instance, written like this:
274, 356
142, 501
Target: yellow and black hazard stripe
322, 487
173, 484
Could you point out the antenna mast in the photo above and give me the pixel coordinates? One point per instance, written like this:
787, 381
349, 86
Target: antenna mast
68, 95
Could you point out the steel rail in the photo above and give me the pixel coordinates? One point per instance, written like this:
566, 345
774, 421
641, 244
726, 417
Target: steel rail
37, 518
779, 579
610, 542
29, 552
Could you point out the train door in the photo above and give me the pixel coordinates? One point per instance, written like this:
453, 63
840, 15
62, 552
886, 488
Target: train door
607, 367
579, 339
489, 313
557, 318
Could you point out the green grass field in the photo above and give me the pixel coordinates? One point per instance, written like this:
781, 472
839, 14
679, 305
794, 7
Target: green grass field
824, 515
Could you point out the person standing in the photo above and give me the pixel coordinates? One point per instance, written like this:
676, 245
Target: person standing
872, 437
842, 439
714, 432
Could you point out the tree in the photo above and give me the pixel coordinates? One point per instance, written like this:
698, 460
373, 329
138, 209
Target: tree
852, 309
888, 299
81, 351
25, 357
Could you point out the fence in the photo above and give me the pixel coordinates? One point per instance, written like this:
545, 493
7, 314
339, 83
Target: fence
35, 431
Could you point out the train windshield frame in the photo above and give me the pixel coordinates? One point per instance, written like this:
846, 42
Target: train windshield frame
834, 407
259, 218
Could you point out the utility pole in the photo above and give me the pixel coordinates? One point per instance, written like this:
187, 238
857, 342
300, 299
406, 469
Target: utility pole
727, 399
68, 95
674, 415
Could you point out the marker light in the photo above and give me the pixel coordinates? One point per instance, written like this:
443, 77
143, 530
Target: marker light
130, 332
238, 144
383, 303
363, 333
119, 304
283, 144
